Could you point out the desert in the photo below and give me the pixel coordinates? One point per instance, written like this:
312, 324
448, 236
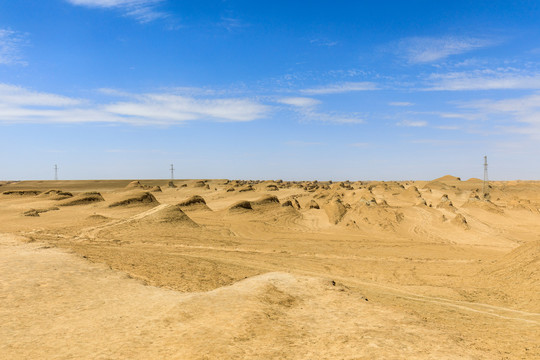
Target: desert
250, 269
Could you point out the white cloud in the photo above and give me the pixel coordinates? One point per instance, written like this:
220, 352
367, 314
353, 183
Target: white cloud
409, 123
498, 79
513, 105
361, 144
18, 96
232, 24
174, 108
340, 88
448, 127
306, 108
419, 50
142, 10
310, 114
400, 103
20, 105
323, 42
10, 46
299, 101
518, 115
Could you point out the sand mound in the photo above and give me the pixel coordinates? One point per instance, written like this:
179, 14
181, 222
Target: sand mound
141, 198
447, 178
410, 195
335, 210
56, 194
171, 184
83, 199
266, 200
246, 188
137, 185
31, 212
377, 217
36, 212
460, 221
293, 202
367, 202
172, 214
22, 192
199, 183
97, 217
195, 202
435, 185
476, 202
156, 189
521, 265
313, 205
523, 204
445, 203
241, 205
474, 180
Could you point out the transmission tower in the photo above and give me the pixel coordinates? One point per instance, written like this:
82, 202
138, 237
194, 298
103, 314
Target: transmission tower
485, 185
172, 172
55, 172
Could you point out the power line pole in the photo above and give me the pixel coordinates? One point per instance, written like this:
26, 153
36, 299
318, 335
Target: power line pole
172, 172
485, 185
55, 172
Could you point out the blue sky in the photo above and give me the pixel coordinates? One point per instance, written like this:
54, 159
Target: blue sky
269, 89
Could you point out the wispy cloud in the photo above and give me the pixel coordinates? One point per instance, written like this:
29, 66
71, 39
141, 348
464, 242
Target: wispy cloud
170, 108
418, 50
20, 105
299, 101
360, 145
323, 42
512, 105
486, 79
142, 10
341, 88
10, 47
409, 123
518, 115
400, 103
333, 117
448, 127
11, 95
307, 109
232, 23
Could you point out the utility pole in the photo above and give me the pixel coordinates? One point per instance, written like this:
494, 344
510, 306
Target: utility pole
55, 172
485, 185
171, 183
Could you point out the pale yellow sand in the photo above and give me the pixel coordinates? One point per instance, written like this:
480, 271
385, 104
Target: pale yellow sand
148, 279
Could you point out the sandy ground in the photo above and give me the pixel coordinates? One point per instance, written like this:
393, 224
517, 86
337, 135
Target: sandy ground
307, 270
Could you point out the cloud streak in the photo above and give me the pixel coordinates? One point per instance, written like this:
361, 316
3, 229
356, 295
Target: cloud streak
307, 109
20, 105
299, 101
142, 10
421, 50
10, 46
409, 123
340, 88
487, 79
518, 115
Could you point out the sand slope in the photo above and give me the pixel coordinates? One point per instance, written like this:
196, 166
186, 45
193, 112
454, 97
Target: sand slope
55, 305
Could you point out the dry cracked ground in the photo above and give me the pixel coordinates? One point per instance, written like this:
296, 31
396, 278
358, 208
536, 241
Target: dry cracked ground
222, 269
